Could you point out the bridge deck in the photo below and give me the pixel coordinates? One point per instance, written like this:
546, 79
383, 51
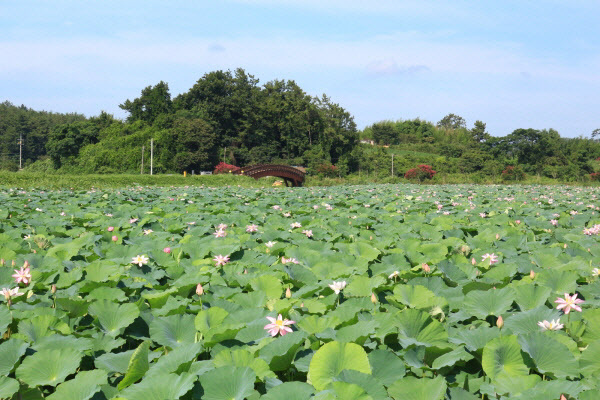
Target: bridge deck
291, 175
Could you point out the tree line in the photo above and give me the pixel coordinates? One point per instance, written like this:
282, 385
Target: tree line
229, 116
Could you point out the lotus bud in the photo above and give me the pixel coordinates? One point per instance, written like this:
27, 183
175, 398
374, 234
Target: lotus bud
565, 246
167, 250
2, 262
53, 289
245, 271
426, 268
26, 264
473, 262
373, 298
562, 397
370, 237
500, 322
519, 221
301, 304
288, 293
497, 236
13, 263
115, 238
199, 290
110, 228
531, 274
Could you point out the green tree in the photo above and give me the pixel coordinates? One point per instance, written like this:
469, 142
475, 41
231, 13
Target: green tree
66, 140
478, 132
154, 101
451, 122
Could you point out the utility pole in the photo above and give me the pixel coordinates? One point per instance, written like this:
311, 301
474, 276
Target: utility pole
224, 152
392, 165
151, 154
142, 170
20, 151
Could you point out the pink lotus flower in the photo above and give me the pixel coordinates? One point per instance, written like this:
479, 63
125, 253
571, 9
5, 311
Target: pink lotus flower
221, 260
251, 228
270, 244
199, 290
308, 232
289, 260
426, 268
279, 325
115, 238
110, 228
8, 293
553, 325
140, 260
167, 250
492, 257
222, 227
133, 220
296, 225
568, 302
22, 275
554, 222
220, 233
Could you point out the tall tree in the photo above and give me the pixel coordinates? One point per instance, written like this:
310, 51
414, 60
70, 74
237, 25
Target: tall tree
154, 101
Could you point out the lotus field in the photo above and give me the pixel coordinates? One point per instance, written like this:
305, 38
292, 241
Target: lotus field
364, 292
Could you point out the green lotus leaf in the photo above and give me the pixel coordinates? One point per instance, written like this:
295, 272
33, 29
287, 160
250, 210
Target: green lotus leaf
82, 387
592, 325
386, 366
137, 367
243, 358
177, 360
588, 363
334, 357
118, 362
531, 296
481, 303
280, 353
349, 391
228, 383
290, 391
268, 284
475, 339
552, 389
114, 317
58, 342
173, 331
549, 355
160, 387
11, 352
502, 356
417, 296
451, 358
527, 321
417, 327
515, 384
48, 367
207, 319
557, 281
363, 286
5, 319
411, 388
8, 387
39, 326
368, 383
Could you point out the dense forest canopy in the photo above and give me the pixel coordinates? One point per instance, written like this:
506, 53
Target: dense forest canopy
228, 116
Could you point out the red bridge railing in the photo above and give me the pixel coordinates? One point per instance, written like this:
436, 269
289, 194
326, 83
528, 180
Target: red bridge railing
291, 175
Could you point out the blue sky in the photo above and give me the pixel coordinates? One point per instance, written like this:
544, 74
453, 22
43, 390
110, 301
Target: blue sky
511, 64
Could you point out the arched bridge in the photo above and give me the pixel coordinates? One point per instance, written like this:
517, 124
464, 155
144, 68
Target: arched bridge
291, 175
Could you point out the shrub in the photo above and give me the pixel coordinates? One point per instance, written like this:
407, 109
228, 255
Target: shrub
420, 173
511, 173
595, 176
224, 168
326, 169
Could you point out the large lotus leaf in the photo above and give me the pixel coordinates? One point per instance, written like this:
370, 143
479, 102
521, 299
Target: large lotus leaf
502, 356
10, 352
207, 319
411, 388
268, 284
313, 324
48, 367
417, 327
83, 387
228, 383
368, 383
363, 286
137, 367
515, 384
531, 296
290, 391
174, 330
526, 321
39, 326
552, 389
8, 387
114, 317
589, 361
549, 355
102, 271
481, 303
592, 325
558, 281
475, 339
386, 367
5, 319
359, 249
417, 296
243, 358
160, 387
280, 353
118, 362
334, 357
457, 393
451, 358
348, 391
177, 360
